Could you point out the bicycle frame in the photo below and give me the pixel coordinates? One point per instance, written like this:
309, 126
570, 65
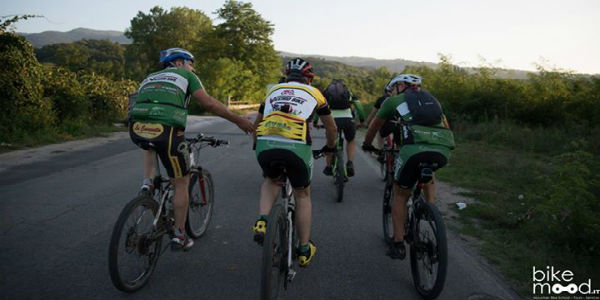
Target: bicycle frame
338, 157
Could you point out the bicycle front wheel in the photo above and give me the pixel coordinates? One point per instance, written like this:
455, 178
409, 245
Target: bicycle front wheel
275, 249
429, 251
201, 204
134, 246
388, 226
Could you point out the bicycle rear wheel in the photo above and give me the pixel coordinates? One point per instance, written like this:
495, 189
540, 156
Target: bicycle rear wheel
429, 251
134, 247
388, 226
274, 263
201, 203
340, 175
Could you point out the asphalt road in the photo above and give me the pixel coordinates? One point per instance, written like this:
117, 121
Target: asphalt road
57, 213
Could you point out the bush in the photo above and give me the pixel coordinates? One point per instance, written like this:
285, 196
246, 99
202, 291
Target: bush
63, 88
22, 105
571, 203
108, 99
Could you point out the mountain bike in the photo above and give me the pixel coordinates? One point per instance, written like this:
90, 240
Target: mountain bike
338, 168
389, 155
280, 240
386, 158
426, 235
137, 236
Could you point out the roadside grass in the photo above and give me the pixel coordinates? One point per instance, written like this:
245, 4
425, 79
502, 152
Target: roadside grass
506, 182
67, 131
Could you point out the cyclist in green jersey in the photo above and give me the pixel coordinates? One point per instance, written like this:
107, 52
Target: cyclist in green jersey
341, 100
157, 124
425, 139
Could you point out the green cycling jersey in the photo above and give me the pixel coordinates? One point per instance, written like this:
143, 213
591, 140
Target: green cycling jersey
164, 95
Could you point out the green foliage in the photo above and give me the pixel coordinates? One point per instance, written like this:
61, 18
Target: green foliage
8, 22
547, 98
158, 30
94, 56
108, 99
571, 202
63, 88
22, 105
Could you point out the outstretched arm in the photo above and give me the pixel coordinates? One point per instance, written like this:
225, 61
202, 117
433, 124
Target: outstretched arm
211, 104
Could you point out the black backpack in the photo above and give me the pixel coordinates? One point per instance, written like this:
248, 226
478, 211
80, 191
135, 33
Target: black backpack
424, 108
337, 95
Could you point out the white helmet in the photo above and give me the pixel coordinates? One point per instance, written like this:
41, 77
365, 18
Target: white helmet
408, 78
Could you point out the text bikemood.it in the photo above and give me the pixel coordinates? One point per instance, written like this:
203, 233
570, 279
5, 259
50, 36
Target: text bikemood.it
550, 281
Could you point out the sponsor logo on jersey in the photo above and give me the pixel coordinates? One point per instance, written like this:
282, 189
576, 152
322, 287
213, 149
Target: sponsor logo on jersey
148, 130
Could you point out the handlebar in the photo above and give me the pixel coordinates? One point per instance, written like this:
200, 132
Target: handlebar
209, 140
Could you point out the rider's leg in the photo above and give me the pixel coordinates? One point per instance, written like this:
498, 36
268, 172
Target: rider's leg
351, 149
268, 195
399, 211
429, 190
303, 213
149, 164
181, 200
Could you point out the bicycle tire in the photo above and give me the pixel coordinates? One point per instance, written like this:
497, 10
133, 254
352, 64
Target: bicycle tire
339, 179
201, 206
143, 246
426, 215
274, 262
388, 226
382, 167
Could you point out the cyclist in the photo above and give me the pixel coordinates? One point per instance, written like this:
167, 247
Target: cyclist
388, 127
425, 139
340, 100
157, 123
283, 135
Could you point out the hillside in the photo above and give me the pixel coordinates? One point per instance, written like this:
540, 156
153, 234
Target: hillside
393, 65
396, 65
41, 39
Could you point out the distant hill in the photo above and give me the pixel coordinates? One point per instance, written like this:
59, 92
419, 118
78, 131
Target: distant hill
41, 39
394, 65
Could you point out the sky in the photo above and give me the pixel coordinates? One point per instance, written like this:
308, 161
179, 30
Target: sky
515, 34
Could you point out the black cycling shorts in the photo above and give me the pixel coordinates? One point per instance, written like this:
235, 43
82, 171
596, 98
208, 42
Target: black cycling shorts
168, 142
274, 161
347, 126
408, 176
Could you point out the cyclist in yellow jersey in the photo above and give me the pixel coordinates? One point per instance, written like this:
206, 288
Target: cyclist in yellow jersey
283, 135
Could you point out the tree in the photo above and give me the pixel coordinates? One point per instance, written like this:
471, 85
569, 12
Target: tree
158, 30
96, 56
22, 107
245, 36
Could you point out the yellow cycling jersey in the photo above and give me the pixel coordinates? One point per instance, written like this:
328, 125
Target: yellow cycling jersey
287, 110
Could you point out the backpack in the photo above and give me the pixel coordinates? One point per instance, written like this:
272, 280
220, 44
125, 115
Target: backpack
337, 95
424, 108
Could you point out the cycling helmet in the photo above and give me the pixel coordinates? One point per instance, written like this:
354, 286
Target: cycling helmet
301, 66
408, 78
171, 54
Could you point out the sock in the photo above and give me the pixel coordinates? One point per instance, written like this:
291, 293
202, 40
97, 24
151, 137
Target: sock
147, 181
304, 248
179, 232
